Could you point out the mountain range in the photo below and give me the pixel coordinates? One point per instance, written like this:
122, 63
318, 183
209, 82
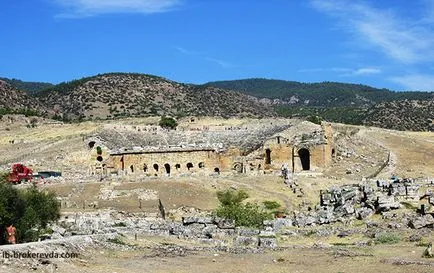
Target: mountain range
114, 95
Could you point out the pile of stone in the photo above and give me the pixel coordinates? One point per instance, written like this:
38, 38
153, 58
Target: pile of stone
209, 230
401, 188
356, 201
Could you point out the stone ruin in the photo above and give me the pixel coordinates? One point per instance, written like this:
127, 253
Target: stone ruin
360, 201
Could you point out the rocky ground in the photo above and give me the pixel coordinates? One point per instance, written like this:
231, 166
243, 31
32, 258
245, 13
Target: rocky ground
336, 221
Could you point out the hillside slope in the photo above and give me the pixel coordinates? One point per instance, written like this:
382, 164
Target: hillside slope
29, 87
342, 102
124, 95
324, 94
14, 100
406, 115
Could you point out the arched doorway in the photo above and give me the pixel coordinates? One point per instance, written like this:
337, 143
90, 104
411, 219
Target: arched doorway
156, 167
238, 166
167, 167
267, 156
189, 165
304, 155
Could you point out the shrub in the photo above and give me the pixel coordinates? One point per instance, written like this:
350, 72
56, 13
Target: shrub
387, 238
271, 205
247, 215
168, 122
231, 197
116, 240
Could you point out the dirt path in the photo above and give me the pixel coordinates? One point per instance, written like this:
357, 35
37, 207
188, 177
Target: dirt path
390, 168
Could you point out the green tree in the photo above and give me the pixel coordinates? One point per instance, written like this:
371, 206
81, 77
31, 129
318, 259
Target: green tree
30, 211
248, 214
168, 122
315, 119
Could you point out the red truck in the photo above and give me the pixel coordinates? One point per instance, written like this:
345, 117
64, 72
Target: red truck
20, 173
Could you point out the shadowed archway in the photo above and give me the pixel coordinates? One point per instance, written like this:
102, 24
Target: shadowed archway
267, 156
304, 155
167, 167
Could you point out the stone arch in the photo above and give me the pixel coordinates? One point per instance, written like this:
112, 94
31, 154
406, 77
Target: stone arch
167, 167
259, 167
177, 166
156, 167
333, 152
99, 158
132, 168
145, 168
91, 144
201, 165
267, 156
304, 155
189, 165
238, 166
217, 170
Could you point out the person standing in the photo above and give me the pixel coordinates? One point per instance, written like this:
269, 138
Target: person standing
11, 230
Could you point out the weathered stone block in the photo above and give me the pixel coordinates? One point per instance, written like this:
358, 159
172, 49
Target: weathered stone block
268, 223
247, 232
421, 221
302, 221
176, 230
159, 226
387, 203
224, 223
205, 220
245, 241
363, 213
267, 242
281, 222
267, 233
208, 231
189, 220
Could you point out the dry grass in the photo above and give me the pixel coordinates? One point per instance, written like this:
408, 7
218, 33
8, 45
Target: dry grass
337, 259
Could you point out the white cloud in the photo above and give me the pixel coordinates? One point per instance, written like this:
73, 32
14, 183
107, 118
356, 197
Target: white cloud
331, 69
204, 56
187, 51
77, 8
415, 82
344, 71
222, 63
366, 71
406, 41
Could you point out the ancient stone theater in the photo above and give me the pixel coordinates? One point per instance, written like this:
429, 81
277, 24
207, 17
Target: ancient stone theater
249, 147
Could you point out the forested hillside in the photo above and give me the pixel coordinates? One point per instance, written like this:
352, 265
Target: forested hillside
29, 87
324, 94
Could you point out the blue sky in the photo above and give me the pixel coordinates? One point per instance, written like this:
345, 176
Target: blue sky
385, 44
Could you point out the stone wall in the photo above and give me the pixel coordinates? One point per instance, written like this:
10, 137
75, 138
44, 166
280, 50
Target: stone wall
173, 163
285, 148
